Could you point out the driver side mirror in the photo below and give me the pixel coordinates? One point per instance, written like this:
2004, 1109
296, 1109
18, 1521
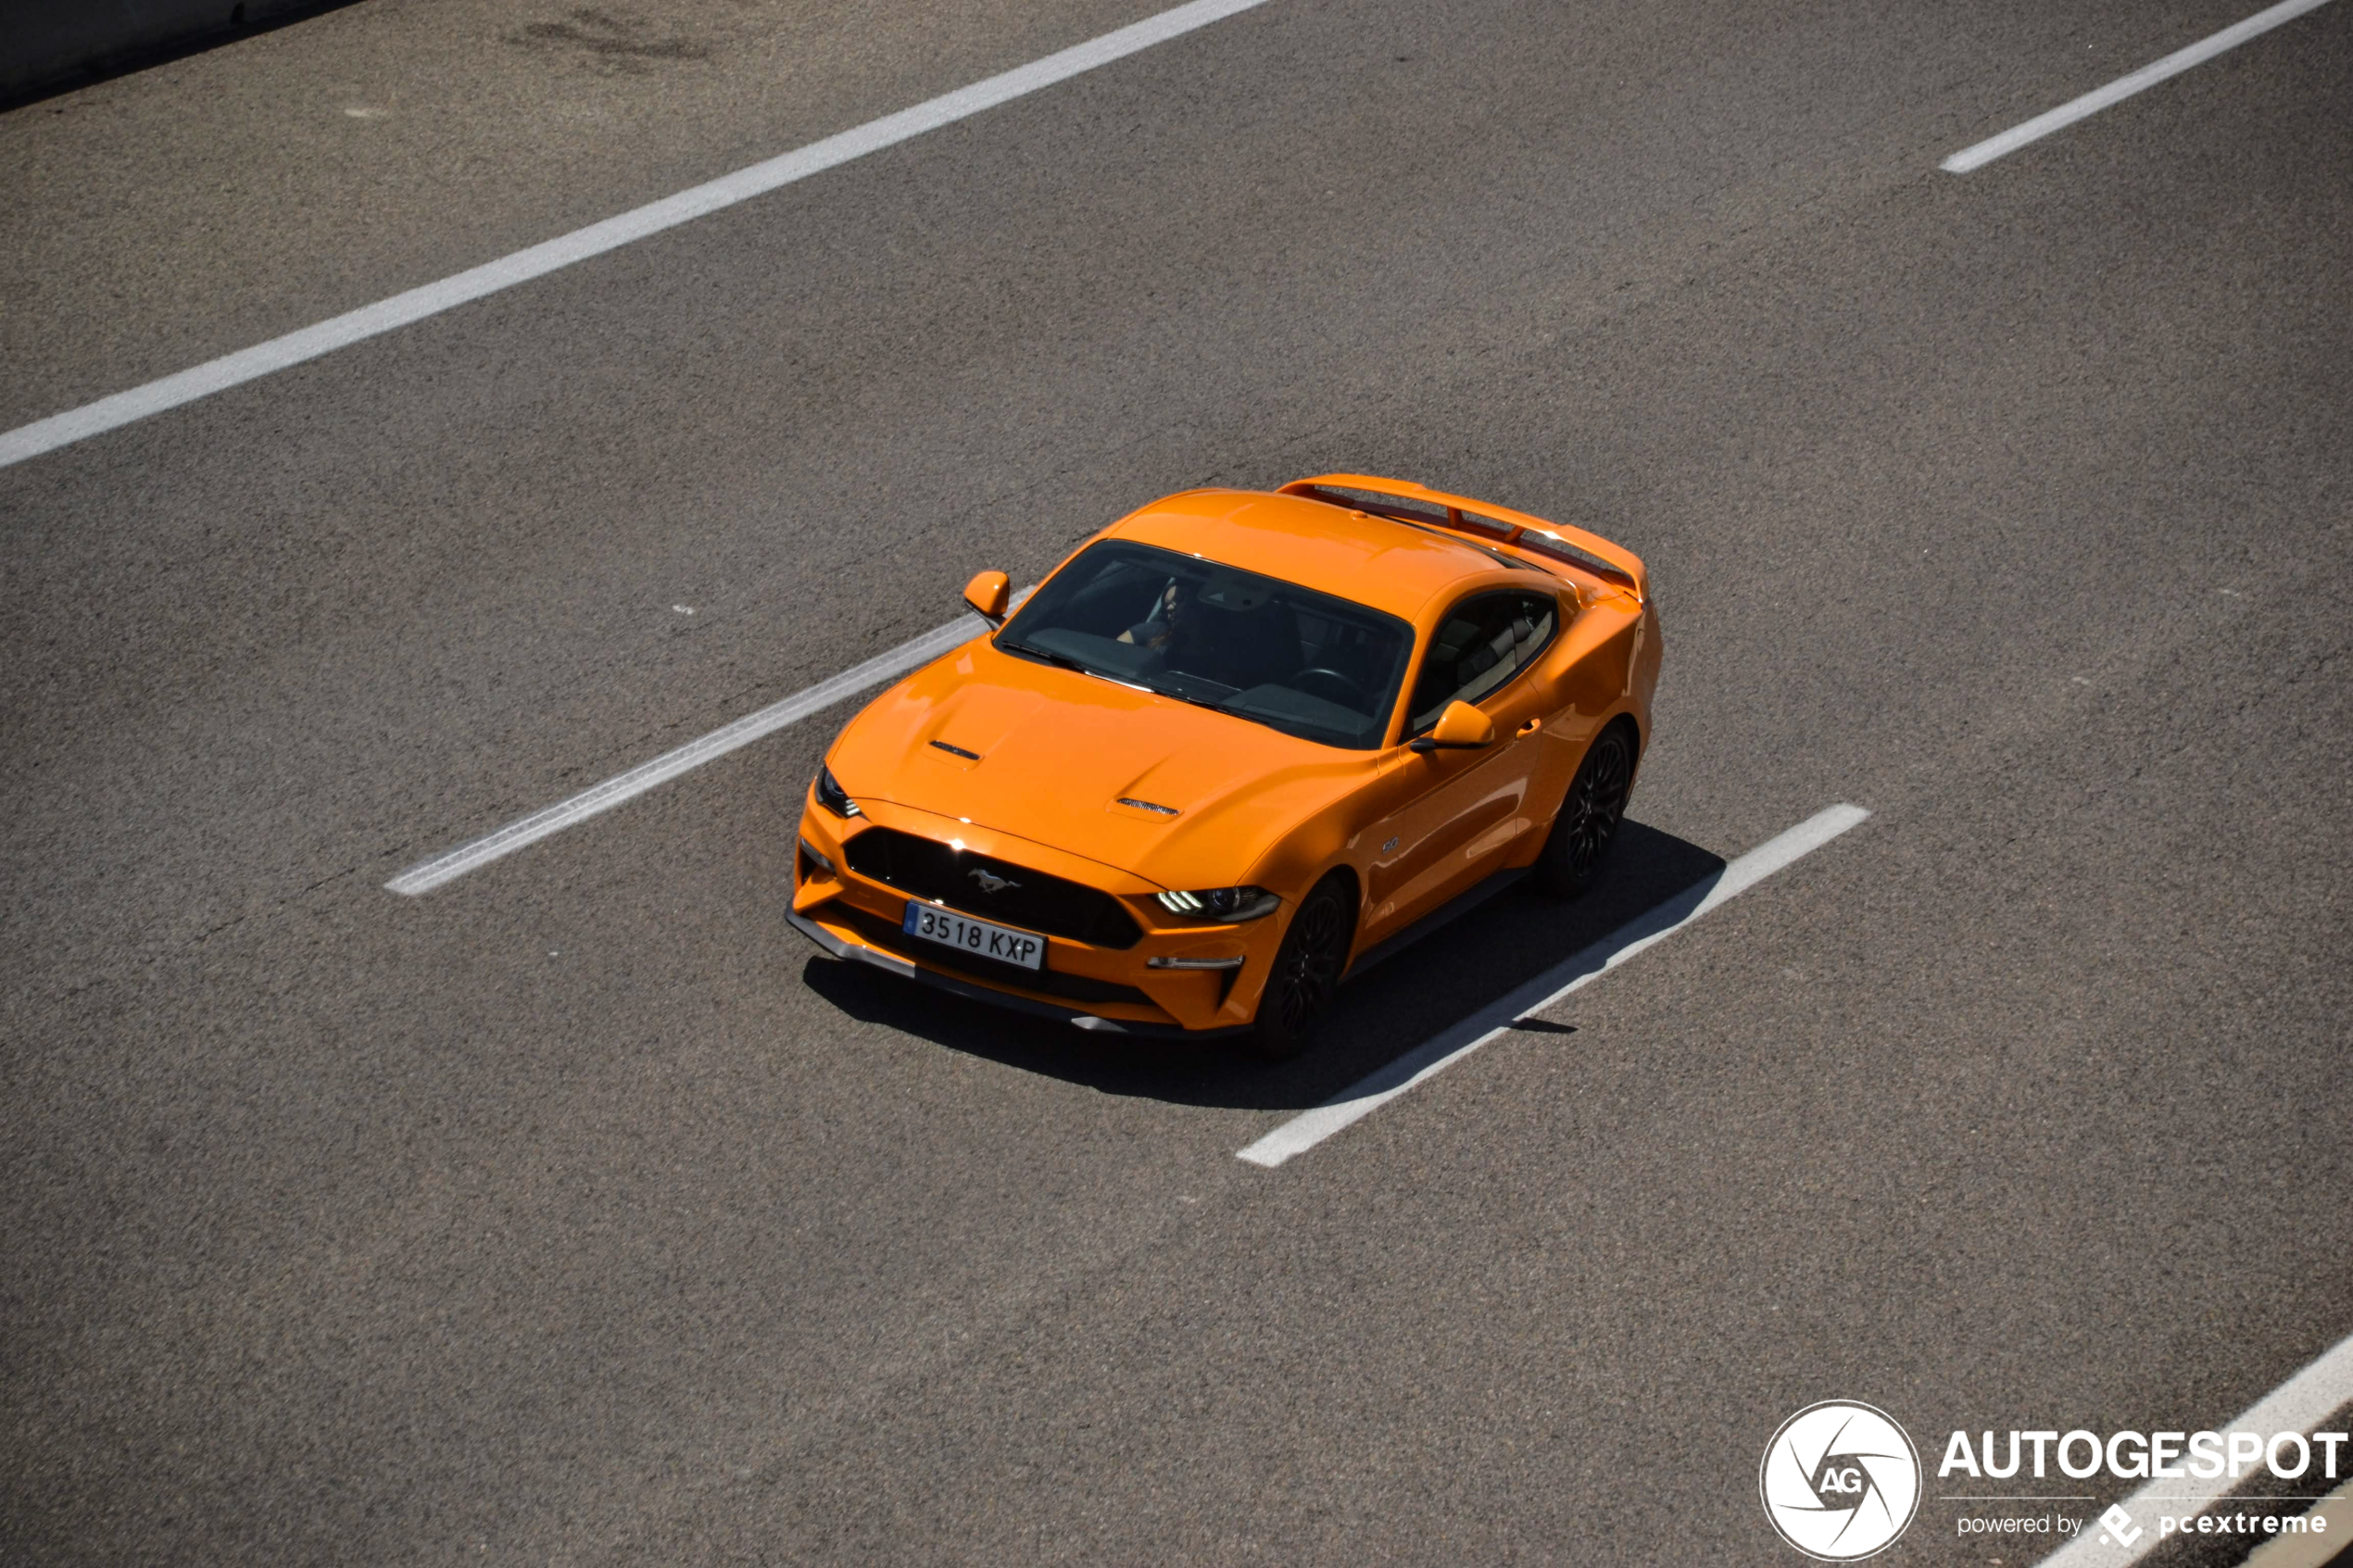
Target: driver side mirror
987, 593
1460, 728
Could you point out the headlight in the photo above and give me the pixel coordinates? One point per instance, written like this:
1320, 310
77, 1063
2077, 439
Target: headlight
831, 797
1221, 905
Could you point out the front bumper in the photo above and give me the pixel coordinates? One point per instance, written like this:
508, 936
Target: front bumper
859, 952
1111, 990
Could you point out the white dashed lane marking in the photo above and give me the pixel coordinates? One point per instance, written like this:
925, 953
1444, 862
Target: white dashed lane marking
432, 299
1494, 1020
2124, 87
694, 754
2298, 1405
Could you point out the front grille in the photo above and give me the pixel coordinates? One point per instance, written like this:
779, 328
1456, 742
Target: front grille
892, 939
1030, 899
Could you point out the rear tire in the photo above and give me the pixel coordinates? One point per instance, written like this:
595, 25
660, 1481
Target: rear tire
1307, 969
1587, 823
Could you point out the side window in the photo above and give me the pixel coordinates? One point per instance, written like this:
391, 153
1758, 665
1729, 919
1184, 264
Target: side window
1479, 647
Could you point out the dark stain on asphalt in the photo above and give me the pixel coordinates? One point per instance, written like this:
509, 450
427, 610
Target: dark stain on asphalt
610, 44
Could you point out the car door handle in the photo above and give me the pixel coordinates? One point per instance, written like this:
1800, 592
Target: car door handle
1530, 728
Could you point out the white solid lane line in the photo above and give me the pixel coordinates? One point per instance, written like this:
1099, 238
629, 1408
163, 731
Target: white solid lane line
1492, 1022
2298, 1405
694, 754
2313, 1550
250, 364
2124, 87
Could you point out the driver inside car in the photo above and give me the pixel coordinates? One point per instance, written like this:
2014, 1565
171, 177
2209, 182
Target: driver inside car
1228, 630
1168, 627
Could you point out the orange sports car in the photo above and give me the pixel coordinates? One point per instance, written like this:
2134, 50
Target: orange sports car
1234, 745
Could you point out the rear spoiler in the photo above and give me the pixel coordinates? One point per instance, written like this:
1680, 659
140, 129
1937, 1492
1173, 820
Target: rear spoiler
1402, 500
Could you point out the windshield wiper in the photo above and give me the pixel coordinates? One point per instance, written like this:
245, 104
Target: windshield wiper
1214, 704
1061, 660
1284, 723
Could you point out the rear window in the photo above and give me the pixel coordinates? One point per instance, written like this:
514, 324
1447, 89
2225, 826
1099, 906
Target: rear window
1536, 541
1462, 527
1405, 508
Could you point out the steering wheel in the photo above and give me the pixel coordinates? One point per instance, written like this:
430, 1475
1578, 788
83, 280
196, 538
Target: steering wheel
1349, 693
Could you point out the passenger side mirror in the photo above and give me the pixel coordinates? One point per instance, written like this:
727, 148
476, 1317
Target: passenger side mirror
1460, 728
987, 593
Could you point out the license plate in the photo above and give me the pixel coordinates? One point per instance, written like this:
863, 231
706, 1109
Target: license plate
977, 936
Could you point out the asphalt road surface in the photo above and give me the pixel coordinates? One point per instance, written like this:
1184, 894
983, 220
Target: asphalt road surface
577, 1211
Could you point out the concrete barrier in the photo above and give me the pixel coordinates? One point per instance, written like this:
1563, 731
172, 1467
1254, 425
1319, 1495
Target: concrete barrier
50, 43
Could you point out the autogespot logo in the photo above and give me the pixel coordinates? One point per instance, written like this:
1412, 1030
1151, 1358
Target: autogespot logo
1840, 1480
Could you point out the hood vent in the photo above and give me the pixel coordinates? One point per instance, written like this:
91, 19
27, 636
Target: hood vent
1140, 805
957, 751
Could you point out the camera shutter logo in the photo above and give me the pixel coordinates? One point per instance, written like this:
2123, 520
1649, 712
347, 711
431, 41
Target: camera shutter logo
1840, 1480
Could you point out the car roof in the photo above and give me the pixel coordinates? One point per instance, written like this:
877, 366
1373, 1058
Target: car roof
1372, 561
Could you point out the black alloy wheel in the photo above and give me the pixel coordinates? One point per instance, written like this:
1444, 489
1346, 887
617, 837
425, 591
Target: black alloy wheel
1307, 969
1589, 817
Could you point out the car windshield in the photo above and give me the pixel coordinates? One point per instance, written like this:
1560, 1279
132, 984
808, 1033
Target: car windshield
1283, 656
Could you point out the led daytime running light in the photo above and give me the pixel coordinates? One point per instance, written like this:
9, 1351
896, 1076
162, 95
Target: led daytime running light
1222, 905
831, 797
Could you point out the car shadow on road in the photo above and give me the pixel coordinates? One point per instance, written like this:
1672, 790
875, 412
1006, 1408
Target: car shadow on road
1377, 1017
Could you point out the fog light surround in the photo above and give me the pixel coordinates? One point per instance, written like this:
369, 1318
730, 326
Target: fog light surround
1192, 963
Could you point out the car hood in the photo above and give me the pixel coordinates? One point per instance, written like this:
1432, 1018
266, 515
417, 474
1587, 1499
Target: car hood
1063, 759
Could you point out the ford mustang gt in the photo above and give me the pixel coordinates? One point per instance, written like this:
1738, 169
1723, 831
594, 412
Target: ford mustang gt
1234, 745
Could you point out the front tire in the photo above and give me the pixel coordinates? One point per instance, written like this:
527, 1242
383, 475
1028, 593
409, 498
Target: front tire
1307, 969
1587, 822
